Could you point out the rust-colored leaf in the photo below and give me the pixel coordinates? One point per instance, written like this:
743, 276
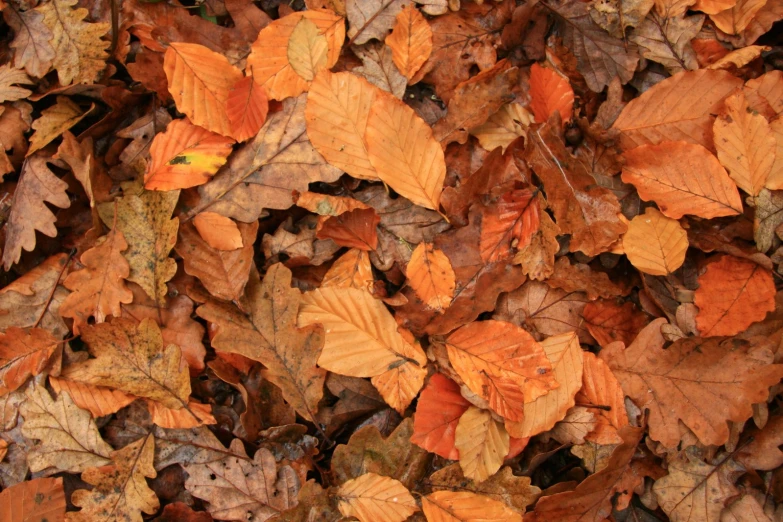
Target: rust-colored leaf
352, 229
550, 92
410, 41
438, 411
430, 275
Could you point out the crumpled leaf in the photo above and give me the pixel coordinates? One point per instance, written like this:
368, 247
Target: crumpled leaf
372, 497
509, 123
37, 500
503, 486
616, 16
23, 354
601, 388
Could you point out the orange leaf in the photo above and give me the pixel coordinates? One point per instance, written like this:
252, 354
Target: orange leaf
220, 232
733, 293
439, 408
353, 229
465, 506
189, 416
600, 388
502, 364
410, 41
655, 244
246, 108
690, 181
351, 270
431, 276
737, 18
550, 92
98, 400
482, 443
200, 81
23, 353
511, 221
375, 498
400, 385
326, 205
37, 500
608, 321
185, 156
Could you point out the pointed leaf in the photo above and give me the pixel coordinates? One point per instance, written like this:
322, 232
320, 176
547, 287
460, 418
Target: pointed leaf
351, 270
353, 229
430, 275
219, 232
307, 49
550, 92
410, 41
482, 443
600, 388
374, 498
438, 411
23, 353
246, 108
98, 400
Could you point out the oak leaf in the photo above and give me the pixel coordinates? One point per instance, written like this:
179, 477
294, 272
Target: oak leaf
464, 506
438, 411
79, 53
733, 293
692, 98
200, 81
99, 288
351, 270
219, 232
269, 54
655, 244
746, 509
375, 498
121, 491
702, 383
691, 181
430, 275
54, 121
37, 500
69, 437
617, 16
509, 123
246, 108
15, 120
185, 156
550, 92
763, 452
410, 41
32, 45
601, 388
502, 364
541, 414
482, 443
270, 336
37, 186
23, 354
10, 80
406, 156
353, 229
745, 144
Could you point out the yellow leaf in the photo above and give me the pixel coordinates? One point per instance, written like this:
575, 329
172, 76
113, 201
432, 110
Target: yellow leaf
307, 49
410, 41
482, 442
361, 335
269, 54
121, 492
507, 124
10, 79
220, 232
200, 81
338, 106
54, 121
69, 437
375, 498
431, 276
351, 270
655, 244
745, 144
541, 414
185, 156
465, 506
404, 152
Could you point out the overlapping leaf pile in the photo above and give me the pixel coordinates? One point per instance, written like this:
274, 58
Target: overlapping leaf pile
387, 260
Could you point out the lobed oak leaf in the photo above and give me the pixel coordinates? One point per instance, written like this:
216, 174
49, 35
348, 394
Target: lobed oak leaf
32, 42
503, 487
361, 335
351, 270
15, 120
185, 156
99, 288
464, 506
691, 98
733, 293
24, 354
655, 244
410, 41
224, 273
608, 321
763, 452
378, 68
246, 108
10, 80
121, 491
98, 400
692, 181
430, 275
601, 388
438, 411
200, 81
542, 413
510, 122
69, 438
375, 498
353, 229
146, 224
406, 156
702, 383
735, 19
54, 121
37, 186
550, 92
79, 52
502, 364
269, 54
745, 144
219, 232
270, 336
482, 443
132, 358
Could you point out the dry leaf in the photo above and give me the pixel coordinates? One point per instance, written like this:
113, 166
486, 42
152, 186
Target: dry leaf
246, 108
351, 270
503, 486
98, 400
482, 443
600, 388
607, 321
737, 18
23, 354
10, 79
372, 19
746, 509
307, 49
374, 498
655, 244
410, 41
32, 45
326, 205
464, 506
37, 500
508, 224
667, 40
54, 121
438, 411
550, 92
219, 232
378, 68
353, 229
509, 123
430, 275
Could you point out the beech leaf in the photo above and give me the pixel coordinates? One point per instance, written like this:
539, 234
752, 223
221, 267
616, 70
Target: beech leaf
438, 411
655, 244
372, 498
37, 500
464, 506
430, 275
410, 41
23, 353
482, 443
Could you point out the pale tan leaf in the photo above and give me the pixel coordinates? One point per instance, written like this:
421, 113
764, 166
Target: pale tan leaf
219, 232
378, 68
98, 400
351, 270
465, 506
54, 121
541, 414
307, 49
375, 498
482, 442
361, 335
509, 123
404, 152
746, 509
399, 386
410, 41
739, 57
32, 41
372, 19
574, 427
10, 79
338, 106
431, 276
69, 438
655, 244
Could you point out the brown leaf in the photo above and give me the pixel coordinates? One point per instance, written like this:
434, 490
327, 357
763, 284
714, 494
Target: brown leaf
14, 122
37, 500
372, 497
503, 486
579, 277
733, 293
509, 123
352, 229
23, 354
10, 79
410, 41
378, 68
32, 40
372, 19
537, 259
701, 382
608, 321
763, 452
438, 410
219, 232
617, 16
746, 509
667, 40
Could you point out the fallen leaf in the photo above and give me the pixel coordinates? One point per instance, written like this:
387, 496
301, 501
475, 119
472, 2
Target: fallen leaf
617, 16
195, 414
677, 185
735, 19
218, 231
701, 382
438, 411
733, 293
464, 506
503, 487
353, 229
655, 244
482, 443
667, 40
11, 79
550, 92
574, 427
98, 400
372, 19
32, 42
601, 389
53, 122
326, 205
765, 94
23, 354
745, 509
372, 498
378, 68
351, 270
739, 57
509, 123
430, 275
246, 108
608, 321
775, 178
508, 224
307, 49
537, 259
410, 41
37, 500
